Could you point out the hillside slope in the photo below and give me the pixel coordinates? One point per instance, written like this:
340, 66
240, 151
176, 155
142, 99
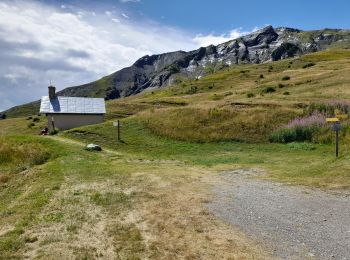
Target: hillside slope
156, 71
267, 44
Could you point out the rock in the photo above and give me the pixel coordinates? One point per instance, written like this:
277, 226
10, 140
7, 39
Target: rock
93, 147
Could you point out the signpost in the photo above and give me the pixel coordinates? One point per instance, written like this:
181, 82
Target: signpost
336, 127
53, 123
117, 124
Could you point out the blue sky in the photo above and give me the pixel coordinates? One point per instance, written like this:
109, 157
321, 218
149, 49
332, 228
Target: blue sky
72, 42
222, 15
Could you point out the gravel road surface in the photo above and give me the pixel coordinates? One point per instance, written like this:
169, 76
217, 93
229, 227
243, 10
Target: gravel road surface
293, 222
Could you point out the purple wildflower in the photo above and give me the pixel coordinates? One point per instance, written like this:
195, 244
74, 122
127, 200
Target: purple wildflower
316, 119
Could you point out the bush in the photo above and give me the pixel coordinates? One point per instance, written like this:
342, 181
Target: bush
299, 129
250, 95
284, 78
286, 93
281, 85
30, 125
36, 119
261, 76
268, 90
296, 134
192, 90
29, 117
309, 65
54, 132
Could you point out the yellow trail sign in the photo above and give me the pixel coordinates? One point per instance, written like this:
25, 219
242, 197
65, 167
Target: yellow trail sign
332, 119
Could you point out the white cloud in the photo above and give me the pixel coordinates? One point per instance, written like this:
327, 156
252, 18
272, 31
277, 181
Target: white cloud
205, 40
70, 46
125, 15
39, 42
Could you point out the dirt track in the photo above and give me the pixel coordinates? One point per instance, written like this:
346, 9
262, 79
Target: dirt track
293, 222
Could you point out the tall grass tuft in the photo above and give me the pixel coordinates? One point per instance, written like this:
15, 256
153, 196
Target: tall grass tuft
17, 156
329, 108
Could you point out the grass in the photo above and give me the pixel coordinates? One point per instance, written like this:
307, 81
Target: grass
68, 207
19, 126
283, 162
18, 154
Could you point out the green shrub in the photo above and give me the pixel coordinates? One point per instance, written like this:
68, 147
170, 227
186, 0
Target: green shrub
286, 93
281, 85
36, 119
268, 90
250, 95
54, 132
300, 129
296, 134
261, 76
310, 64
284, 78
30, 124
192, 90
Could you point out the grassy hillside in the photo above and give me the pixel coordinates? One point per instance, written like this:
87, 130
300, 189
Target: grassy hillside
243, 102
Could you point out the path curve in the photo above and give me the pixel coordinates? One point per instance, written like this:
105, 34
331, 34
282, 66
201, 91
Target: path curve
294, 222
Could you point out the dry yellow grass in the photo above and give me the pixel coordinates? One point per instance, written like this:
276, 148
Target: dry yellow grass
163, 216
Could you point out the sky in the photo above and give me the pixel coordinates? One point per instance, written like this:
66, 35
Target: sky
72, 42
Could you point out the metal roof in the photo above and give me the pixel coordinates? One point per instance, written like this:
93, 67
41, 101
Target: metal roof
72, 105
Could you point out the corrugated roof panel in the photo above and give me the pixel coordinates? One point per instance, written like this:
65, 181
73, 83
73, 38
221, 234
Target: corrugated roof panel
63, 103
88, 106
79, 102
73, 105
98, 105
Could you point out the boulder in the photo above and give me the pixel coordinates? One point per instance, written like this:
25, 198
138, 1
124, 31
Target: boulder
93, 147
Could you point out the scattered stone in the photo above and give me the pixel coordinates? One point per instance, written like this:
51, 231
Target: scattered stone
93, 147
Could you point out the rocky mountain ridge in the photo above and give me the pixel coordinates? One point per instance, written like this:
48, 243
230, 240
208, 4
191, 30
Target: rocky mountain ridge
267, 44
156, 71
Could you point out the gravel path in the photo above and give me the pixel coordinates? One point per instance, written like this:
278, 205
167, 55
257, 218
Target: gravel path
294, 222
